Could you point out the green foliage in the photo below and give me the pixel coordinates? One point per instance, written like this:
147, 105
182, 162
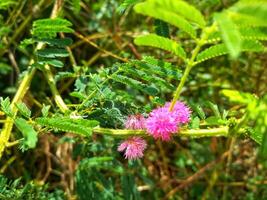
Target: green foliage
253, 113
157, 41
147, 75
5, 106
164, 13
5, 4
28, 132
79, 126
45, 31
23, 109
48, 28
180, 7
52, 53
75, 5
129, 188
150, 90
99, 187
17, 191
221, 49
126, 4
45, 110
98, 92
230, 34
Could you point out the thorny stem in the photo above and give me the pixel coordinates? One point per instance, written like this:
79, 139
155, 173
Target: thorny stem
191, 63
23, 88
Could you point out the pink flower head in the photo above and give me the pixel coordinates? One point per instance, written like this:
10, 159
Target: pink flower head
133, 147
161, 124
180, 111
135, 122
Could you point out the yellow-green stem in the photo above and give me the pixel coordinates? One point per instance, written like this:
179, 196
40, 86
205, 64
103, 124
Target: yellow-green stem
52, 83
193, 133
191, 63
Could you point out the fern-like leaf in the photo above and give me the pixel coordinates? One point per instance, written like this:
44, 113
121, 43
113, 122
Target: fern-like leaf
221, 49
62, 42
154, 40
166, 15
48, 28
28, 132
148, 89
154, 66
229, 33
52, 53
182, 8
78, 126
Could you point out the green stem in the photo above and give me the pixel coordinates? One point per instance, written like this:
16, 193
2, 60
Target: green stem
191, 63
193, 133
52, 83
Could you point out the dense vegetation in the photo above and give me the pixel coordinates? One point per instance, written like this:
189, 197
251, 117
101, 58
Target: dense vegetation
133, 99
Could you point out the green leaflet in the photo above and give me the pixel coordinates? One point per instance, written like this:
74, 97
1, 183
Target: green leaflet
5, 4
23, 109
182, 8
220, 49
48, 28
166, 15
253, 33
247, 33
238, 97
79, 126
126, 4
148, 78
229, 33
52, 53
148, 89
159, 67
247, 21
5, 106
154, 40
29, 134
256, 9
62, 42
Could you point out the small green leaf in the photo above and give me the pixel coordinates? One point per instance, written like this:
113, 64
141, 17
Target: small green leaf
5, 106
195, 123
215, 109
157, 41
23, 109
45, 110
29, 134
62, 42
52, 53
229, 33
238, 97
53, 62
213, 120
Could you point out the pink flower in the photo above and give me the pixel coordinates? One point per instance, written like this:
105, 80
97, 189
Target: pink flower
180, 111
133, 147
161, 124
135, 122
